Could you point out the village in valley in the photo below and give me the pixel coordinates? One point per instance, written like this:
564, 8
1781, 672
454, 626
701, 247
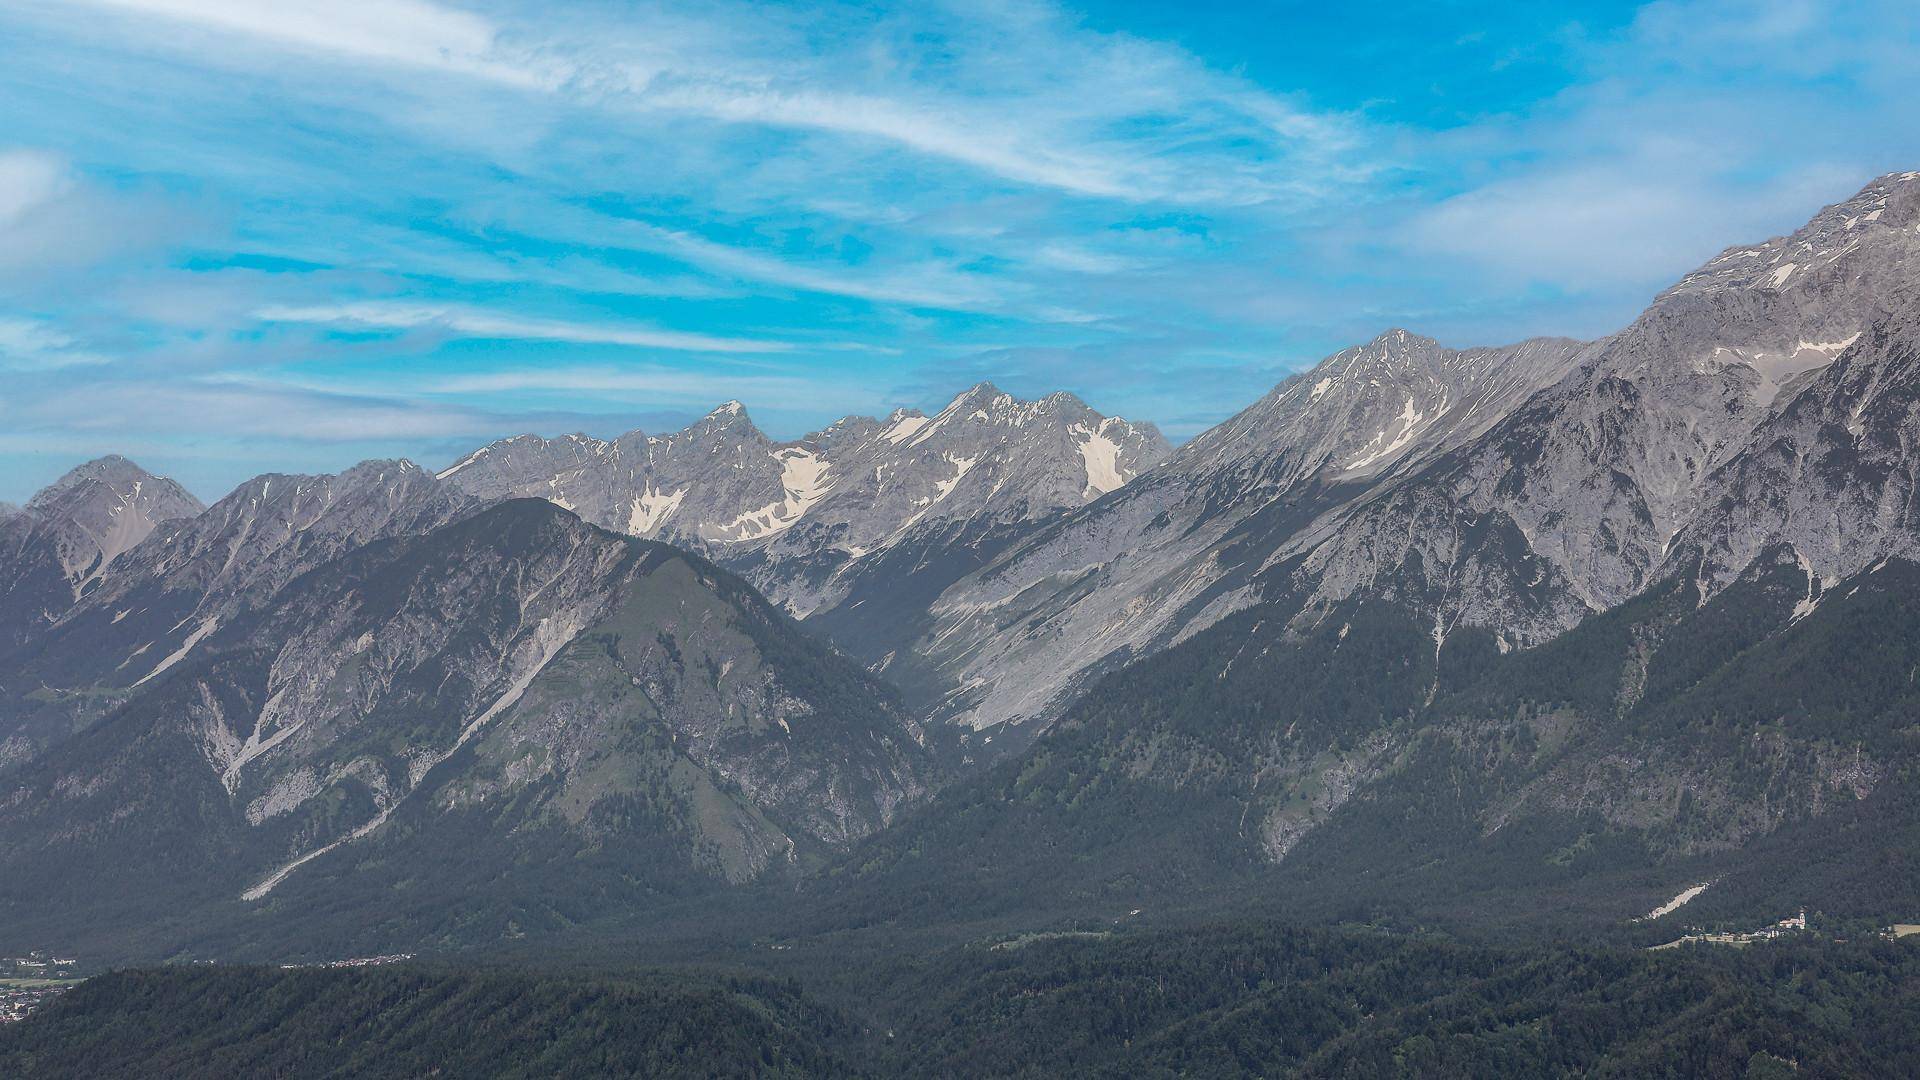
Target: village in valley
28, 982
1792, 924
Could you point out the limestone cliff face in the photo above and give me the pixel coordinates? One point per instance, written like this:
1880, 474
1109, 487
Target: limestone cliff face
820, 523
1574, 503
63, 544
1519, 490
517, 670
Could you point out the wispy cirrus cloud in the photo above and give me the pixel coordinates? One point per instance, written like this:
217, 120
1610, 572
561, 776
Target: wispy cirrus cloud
914, 285
464, 218
408, 32
660, 384
1022, 91
52, 221
32, 345
29, 180
402, 315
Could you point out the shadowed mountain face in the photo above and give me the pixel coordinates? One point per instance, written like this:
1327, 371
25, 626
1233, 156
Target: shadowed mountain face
516, 688
1752, 741
166, 595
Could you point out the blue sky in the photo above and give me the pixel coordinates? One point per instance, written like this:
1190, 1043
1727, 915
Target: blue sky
240, 236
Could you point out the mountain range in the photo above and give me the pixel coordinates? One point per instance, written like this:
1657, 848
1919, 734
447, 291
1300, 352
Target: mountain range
1574, 621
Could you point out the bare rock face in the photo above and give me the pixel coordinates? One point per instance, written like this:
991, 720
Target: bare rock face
1519, 490
516, 676
161, 599
1183, 546
192, 574
804, 519
62, 545
1573, 503
1831, 476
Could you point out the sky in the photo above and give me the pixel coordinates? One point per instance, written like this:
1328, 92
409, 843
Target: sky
246, 236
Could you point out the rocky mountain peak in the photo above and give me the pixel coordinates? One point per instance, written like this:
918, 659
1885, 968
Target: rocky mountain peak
102, 509
274, 526
986, 405
1691, 429
1393, 348
1177, 549
111, 469
1877, 216
115, 477
791, 514
1772, 311
1369, 407
727, 421
66, 543
1066, 402
384, 471
980, 393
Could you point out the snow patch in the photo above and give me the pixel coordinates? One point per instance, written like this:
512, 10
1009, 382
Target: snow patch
804, 476
961, 467
1410, 419
1776, 369
462, 463
1831, 348
903, 428
651, 509
1102, 458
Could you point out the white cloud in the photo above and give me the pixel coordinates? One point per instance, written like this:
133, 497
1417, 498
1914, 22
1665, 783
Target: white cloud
29, 180
410, 32
120, 409
660, 384
931, 130
1074, 258
1705, 123
481, 324
31, 345
931, 286
1020, 91
51, 221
